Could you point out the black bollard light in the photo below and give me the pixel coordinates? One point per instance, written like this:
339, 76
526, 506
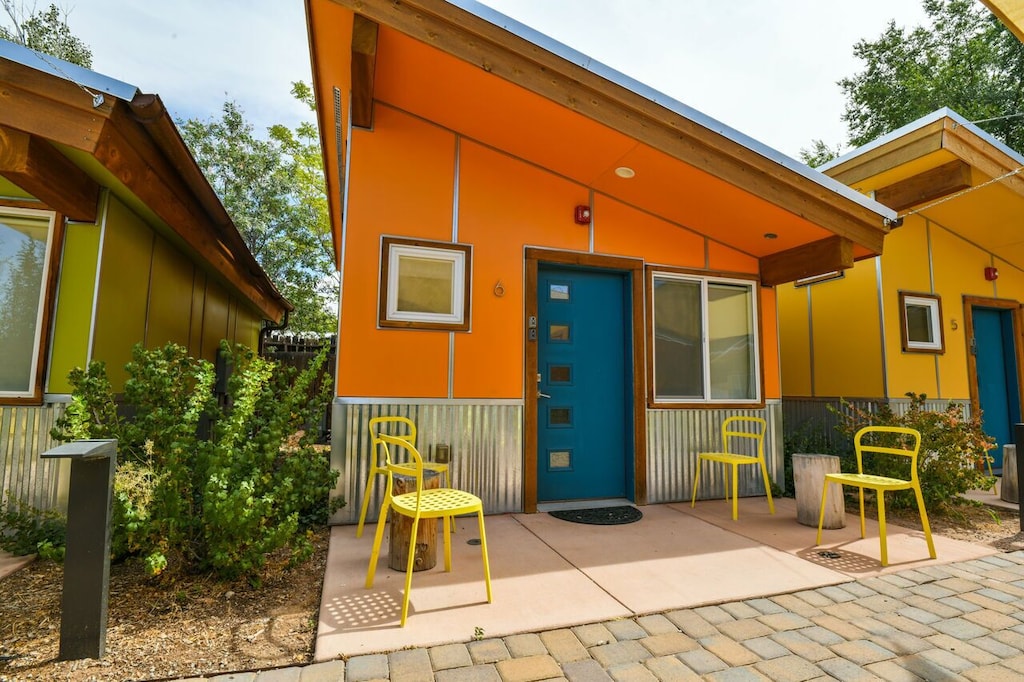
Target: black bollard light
1018, 439
83, 604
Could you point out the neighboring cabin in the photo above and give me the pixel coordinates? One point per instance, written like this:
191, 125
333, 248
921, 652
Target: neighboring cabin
559, 272
109, 236
940, 312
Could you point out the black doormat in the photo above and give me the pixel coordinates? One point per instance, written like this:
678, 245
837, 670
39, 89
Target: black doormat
601, 516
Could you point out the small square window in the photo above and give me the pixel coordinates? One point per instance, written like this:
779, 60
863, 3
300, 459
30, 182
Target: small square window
921, 323
560, 460
558, 332
558, 292
424, 285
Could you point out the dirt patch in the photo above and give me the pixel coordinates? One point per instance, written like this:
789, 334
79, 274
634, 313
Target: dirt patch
982, 525
158, 629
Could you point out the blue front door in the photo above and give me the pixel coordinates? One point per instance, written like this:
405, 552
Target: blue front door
584, 412
996, 358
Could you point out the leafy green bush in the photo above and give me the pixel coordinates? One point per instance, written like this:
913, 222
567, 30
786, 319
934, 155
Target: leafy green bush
201, 487
954, 451
27, 530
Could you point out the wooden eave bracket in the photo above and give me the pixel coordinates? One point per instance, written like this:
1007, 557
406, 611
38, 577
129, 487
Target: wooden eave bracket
34, 165
364, 62
927, 186
817, 258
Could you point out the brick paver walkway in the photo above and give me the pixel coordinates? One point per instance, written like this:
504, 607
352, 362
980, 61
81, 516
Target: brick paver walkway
961, 621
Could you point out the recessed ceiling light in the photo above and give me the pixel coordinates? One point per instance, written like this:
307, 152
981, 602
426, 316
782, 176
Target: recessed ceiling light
625, 172
770, 235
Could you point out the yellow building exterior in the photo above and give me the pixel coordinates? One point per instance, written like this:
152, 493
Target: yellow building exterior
938, 313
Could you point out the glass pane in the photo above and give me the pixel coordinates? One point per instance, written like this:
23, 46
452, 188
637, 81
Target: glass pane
560, 416
678, 362
560, 459
425, 285
22, 269
919, 324
558, 292
560, 374
731, 339
558, 332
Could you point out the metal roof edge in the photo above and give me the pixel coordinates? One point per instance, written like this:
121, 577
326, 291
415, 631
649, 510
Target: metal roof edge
79, 75
567, 53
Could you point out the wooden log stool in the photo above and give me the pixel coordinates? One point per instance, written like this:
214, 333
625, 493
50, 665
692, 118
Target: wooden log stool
808, 478
1008, 486
401, 528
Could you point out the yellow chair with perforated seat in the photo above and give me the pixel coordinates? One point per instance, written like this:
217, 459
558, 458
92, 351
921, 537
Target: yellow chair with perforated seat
881, 484
423, 503
752, 428
377, 468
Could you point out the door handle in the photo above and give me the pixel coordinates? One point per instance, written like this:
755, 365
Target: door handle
542, 395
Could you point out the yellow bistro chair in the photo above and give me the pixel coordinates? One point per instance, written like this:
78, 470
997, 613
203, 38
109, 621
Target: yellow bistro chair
443, 503
737, 427
880, 484
377, 467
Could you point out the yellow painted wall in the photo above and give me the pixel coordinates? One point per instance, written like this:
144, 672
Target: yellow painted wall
170, 311
404, 184
73, 314
794, 340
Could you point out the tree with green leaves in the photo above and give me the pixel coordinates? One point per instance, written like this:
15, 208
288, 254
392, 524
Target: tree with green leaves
274, 191
45, 31
965, 60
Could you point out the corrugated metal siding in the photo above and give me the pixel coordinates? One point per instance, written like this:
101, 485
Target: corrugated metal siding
24, 475
674, 437
486, 448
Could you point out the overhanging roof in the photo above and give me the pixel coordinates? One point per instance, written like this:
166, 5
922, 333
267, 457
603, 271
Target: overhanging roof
1010, 12
61, 143
551, 106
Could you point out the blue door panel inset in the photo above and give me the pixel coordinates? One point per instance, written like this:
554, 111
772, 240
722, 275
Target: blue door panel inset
996, 362
592, 305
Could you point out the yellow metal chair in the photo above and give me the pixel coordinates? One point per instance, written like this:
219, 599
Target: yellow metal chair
377, 467
737, 427
880, 484
443, 503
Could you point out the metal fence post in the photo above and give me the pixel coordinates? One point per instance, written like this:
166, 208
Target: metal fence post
83, 607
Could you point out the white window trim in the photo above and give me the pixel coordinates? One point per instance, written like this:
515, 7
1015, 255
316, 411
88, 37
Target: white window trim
458, 255
934, 307
51, 219
705, 341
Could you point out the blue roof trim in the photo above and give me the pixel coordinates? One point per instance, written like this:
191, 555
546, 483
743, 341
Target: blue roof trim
567, 53
66, 70
926, 120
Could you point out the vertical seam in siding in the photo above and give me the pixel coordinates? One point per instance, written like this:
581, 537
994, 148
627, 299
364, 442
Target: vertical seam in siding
881, 327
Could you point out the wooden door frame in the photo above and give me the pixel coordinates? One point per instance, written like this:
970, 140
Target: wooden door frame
635, 268
1018, 345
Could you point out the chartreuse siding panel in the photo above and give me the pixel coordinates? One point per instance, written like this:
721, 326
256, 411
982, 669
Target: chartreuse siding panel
170, 300
845, 334
215, 319
795, 340
124, 289
73, 315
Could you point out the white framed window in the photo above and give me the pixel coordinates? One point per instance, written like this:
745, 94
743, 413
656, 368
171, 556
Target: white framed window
705, 340
921, 323
26, 238
424, 285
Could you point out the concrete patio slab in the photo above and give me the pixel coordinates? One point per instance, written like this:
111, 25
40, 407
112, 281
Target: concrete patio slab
10, 563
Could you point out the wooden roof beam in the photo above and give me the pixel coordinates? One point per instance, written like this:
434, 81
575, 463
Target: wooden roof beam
927, 186
817, 258
364, 63
34, 165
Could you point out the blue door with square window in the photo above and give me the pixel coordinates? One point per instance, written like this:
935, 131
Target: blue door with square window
584, 412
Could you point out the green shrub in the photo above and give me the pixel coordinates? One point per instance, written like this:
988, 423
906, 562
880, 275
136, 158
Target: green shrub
954, 451
27, 530
200, 487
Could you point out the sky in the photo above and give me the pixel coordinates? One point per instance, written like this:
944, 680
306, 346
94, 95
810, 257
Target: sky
768, 68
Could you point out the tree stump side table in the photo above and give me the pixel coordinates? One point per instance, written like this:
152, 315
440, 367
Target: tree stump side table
1008, 486
401, 528
808, 477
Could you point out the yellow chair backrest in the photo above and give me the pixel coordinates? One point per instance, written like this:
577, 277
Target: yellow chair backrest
391, 426
862, 447
744, 427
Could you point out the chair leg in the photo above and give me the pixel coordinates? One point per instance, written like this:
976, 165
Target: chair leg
483, 551
696, 480
408, 568
768, 488
862, 533
821, 516
366, 501
445, 520
881, 526
448, 484
378, 538
924, 522
735, 493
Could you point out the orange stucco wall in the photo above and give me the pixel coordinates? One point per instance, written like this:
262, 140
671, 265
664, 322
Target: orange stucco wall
411, 178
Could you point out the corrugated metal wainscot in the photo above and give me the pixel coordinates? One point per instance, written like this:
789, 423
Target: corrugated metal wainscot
24, 475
